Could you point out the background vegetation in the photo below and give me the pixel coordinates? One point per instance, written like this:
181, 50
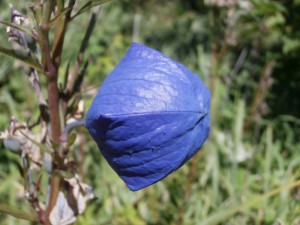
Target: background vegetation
247, 52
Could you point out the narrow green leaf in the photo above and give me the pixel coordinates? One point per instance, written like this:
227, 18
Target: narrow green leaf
225, 214
41, 146
89, 5
22, 29
22, 56
71, 139
289, 118
13, 211
63, 12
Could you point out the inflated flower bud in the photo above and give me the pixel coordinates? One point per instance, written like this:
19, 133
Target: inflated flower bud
149, 117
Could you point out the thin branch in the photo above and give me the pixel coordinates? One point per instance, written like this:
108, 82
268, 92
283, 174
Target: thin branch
89, 5
55, 181
51, 71
60, 14
60, 31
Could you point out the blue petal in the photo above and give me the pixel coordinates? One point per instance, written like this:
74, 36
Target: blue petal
149, 117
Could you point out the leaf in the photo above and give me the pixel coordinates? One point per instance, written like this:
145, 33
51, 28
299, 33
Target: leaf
22, 29
79, 194
224, 214
290, 118
41, 146
71, 139
89, 5
22, 56
63, 12
68, 207
13, 211
62, 213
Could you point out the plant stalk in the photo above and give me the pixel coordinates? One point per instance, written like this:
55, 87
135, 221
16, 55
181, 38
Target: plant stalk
51, 71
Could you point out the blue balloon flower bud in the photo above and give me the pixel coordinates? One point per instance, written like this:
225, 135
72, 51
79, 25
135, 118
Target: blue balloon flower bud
149, 117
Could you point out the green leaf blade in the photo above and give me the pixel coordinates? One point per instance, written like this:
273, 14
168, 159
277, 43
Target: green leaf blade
13, 211
23, 57
19, 28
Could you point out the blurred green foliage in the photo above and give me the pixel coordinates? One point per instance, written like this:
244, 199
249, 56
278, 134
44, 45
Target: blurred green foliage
247, 52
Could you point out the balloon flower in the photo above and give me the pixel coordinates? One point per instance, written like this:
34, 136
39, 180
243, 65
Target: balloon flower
149, 117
